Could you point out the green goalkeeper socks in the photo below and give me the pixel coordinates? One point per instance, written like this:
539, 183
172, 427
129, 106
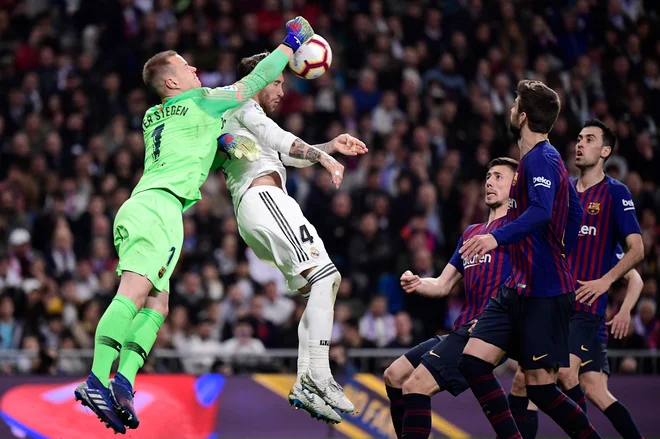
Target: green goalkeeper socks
110, 334
140, 340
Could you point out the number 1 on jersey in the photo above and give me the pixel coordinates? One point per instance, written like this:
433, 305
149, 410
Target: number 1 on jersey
157, 133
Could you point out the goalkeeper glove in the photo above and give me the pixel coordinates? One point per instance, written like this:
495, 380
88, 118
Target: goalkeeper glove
299, 32
239, 146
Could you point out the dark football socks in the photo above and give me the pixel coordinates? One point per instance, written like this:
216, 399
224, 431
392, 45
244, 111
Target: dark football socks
417, 416
396, 408
526, 420
563, 410
577, 395
622, 420
490, 394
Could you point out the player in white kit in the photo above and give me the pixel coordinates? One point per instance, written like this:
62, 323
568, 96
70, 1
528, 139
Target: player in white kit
274, 227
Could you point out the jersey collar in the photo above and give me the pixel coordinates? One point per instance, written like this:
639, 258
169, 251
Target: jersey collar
172, 99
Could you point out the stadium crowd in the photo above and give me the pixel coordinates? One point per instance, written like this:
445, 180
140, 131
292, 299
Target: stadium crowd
428, 85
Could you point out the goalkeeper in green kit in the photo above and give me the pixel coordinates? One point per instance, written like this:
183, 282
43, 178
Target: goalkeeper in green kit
182, 141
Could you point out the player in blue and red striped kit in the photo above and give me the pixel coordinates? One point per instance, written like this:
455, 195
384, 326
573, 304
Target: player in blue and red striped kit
528, 319
593, 365
598, 261
609, 219
432, 366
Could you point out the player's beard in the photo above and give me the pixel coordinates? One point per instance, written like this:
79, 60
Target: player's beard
516, 131
496, 205
584, 166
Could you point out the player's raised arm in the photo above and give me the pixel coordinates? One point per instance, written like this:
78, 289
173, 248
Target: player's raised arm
302, 151
269, 134
344, 143
541, 184
299, 32
296, 152
541, 181
438, 287
301, 155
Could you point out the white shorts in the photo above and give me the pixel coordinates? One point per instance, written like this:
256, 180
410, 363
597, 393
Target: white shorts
273, 226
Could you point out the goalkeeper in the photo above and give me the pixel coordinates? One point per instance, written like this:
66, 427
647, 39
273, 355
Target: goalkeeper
181, 137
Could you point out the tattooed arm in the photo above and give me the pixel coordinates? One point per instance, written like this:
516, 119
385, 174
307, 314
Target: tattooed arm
310, 153
269, 134
302, 155
344, 143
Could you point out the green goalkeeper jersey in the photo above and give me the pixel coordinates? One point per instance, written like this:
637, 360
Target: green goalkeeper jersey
181, 134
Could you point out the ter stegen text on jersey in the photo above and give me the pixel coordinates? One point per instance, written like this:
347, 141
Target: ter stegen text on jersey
162, 113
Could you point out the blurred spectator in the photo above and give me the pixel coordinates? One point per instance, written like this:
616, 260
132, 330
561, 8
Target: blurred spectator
263, 329
242, 348
340, 365
377, 326
70, 365
646, 324
342, 314
369, 251
84, 329
61, 258
21, 253
87, 283
8, 278
404, 331
351, 337
386, 113
11, 330
277, 309
200, 349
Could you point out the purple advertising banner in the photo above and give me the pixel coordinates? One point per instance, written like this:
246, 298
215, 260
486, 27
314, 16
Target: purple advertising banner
218, 407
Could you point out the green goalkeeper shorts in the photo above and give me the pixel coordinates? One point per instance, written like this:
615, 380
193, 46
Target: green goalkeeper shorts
148, 235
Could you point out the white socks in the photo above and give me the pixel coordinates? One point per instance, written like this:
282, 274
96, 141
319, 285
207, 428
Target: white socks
303, 347
318, 318
319, 341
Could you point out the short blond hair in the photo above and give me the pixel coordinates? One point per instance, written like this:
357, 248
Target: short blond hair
155, 66
504, 161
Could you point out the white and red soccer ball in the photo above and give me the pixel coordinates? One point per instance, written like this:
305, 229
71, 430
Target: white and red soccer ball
313, 59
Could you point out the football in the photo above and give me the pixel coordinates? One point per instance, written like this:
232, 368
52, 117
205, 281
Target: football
312, 59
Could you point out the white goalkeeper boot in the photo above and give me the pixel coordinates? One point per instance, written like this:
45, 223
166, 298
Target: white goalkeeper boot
329, 390
301, 398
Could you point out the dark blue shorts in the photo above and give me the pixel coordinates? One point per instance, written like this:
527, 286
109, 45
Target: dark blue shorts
440, 356
587, 342
532, 330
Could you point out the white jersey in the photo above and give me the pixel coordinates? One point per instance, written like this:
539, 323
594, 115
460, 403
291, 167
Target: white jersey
249, 119
269, 220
